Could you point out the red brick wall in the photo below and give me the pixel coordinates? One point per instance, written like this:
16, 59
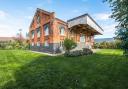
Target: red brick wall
45, 19
54, 34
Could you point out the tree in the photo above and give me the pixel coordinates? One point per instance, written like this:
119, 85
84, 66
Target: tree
120, 14
122, 34
69, 44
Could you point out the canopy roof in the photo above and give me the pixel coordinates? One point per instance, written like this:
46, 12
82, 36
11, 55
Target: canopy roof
85, 20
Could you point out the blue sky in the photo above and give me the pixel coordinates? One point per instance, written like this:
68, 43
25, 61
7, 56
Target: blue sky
17, 14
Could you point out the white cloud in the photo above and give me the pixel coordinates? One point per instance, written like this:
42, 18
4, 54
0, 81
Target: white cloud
2, 14
109, 31
102, 16
9, 27
28, 17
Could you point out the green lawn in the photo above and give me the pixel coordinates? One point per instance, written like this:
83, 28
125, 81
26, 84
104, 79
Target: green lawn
107, 69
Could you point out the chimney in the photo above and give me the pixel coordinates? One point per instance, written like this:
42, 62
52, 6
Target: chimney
53, 15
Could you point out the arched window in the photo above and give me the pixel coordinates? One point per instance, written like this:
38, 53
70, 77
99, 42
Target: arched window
62, 30
46, 29
38, 32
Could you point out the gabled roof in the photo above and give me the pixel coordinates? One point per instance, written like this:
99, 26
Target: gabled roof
40, 10
45, 12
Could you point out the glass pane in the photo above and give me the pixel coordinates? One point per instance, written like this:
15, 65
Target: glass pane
62, 30
46, 29
82, 38
32, 34
46, 43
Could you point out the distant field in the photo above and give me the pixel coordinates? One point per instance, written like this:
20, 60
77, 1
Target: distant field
106, 69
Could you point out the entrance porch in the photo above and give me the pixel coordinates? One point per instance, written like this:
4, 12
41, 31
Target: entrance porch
82, 30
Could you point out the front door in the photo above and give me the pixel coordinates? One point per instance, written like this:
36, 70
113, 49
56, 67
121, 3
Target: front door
82, 41
82, 38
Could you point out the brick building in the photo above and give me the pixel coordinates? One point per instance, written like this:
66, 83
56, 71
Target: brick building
47, 32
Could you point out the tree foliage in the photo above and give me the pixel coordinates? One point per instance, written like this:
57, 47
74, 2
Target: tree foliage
69, 44
119, 11
120, 14
108, 45
15, 44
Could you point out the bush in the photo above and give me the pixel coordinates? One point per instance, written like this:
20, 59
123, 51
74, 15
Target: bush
14, 45
8, 47
108, 45
69, 44
85, 51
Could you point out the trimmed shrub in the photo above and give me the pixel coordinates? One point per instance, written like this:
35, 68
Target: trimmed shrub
87, 51
76, 53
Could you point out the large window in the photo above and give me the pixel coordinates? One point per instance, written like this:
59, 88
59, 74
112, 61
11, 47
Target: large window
46, 29
32, 33
62, 30
82, 38
46, 44
38, 43
38, 32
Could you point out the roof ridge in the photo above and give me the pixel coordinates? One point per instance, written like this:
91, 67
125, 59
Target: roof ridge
38, 9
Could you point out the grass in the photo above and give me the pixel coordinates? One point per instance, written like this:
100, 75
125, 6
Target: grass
106, 69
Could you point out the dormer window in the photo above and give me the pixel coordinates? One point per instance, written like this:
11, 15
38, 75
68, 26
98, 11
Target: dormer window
62, 30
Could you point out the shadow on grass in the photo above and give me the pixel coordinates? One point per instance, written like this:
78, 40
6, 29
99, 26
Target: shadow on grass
43, 73
47, 72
